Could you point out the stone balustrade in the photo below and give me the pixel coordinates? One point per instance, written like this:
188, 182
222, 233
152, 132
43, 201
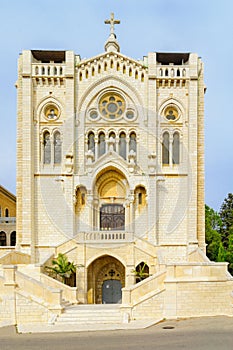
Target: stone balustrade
68, 293
137, 293
105, 237
172, 72
42, 293
48, 70
7, 220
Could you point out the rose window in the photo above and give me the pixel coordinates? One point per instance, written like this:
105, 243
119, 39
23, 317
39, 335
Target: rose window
112, 106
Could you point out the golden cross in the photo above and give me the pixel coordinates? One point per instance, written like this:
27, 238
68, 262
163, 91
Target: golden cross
112, 21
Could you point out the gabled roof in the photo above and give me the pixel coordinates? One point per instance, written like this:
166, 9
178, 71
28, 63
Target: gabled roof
7, 193
140, 64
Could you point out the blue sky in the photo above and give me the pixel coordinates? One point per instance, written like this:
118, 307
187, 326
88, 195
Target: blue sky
200, 26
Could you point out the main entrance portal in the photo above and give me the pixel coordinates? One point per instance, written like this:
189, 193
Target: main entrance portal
111, 292
112, 217
105, 280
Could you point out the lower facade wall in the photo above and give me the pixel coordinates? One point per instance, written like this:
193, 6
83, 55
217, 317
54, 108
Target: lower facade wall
204, 299
151, 308
28, 311
7, 306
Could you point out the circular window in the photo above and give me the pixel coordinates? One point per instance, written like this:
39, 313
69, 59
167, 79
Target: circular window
171, 114
51, 112
112, 106
130, 115
93, 115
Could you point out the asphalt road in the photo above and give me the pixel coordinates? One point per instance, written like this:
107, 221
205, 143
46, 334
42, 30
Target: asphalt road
212, 333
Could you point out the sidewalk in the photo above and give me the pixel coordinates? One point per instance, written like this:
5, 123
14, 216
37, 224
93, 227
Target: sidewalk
39, 328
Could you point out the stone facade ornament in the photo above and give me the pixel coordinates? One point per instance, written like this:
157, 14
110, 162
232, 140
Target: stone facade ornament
152, 162
69, 164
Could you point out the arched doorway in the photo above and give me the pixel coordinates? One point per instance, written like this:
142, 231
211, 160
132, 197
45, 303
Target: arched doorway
111, 190
106, 278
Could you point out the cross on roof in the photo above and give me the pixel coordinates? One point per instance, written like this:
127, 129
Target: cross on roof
112, 21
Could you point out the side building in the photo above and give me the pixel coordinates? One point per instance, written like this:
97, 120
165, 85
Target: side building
7, 219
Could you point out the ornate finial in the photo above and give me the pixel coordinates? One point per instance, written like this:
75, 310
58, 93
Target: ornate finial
112, 21
112, 44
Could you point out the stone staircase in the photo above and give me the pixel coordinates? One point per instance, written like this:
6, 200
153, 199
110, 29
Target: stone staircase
90, 314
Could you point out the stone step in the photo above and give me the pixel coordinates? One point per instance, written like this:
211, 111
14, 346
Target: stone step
90, 314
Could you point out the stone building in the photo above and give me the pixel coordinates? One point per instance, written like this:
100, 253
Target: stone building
110, 172
7, 219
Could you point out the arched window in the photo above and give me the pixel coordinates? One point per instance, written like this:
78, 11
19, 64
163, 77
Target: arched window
91, 142
57, 147
80, 198
136, 74
132, 142
178, 73
86, 73
47, 148
165, 149
43, 71
36, 70
141, 271
161, 72
101, 144
13, 238
118, 66
124, 69
111, 64
93, 71
140, 196
130, 72
6, 212
176, 148
48, 70
2, 239
142, 77
61, 71
55, 71
80, 76
122, 145
105, 66
99, 68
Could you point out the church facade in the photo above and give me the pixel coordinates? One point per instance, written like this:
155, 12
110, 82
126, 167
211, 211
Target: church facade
110, 172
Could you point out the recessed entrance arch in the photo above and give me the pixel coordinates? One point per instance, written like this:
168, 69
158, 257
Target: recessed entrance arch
111, 190
106, 278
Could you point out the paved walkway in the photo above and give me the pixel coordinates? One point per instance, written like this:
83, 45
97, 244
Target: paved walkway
207, 333
38, 328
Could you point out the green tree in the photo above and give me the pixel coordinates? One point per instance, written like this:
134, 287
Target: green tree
229, 252
221, 253
62, 267
226, 214
213, 238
